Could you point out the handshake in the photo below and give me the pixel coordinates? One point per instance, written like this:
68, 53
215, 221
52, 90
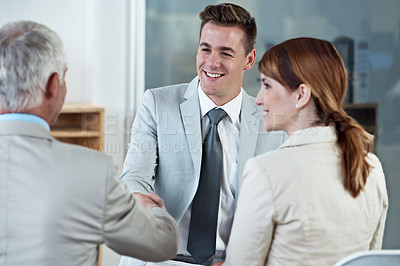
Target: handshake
149, 201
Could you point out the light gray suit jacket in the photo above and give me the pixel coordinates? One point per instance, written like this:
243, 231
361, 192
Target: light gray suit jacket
58, 202
166, 145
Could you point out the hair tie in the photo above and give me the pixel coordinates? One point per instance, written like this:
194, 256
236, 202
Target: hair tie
341, 119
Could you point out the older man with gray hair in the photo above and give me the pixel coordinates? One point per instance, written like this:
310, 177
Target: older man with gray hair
59, 202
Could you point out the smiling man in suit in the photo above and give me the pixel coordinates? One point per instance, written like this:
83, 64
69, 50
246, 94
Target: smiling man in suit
59, 202
169, 151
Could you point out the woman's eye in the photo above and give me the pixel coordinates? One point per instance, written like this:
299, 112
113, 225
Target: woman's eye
267, 86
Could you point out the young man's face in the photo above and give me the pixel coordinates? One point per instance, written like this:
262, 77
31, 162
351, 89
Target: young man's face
221, 61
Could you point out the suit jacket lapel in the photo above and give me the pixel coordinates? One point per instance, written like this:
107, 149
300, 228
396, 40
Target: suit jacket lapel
190, 113
249, 129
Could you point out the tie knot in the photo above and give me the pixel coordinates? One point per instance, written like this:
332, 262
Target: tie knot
216, 115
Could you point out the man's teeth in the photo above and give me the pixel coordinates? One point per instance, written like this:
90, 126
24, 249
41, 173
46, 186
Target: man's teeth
213, 75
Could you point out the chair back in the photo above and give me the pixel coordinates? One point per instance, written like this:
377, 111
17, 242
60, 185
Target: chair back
386, 257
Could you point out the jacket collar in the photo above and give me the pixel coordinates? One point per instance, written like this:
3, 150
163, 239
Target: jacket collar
24, 128
192, 88
312, 135
250, 123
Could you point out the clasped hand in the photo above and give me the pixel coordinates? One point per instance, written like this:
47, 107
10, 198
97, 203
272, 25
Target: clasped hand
149, 201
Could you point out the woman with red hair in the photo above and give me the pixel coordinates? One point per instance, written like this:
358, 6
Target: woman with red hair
321, 196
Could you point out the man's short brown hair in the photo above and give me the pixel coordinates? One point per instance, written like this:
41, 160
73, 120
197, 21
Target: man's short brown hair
228, 14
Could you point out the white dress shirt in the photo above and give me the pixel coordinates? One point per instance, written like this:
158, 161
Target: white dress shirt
228, 130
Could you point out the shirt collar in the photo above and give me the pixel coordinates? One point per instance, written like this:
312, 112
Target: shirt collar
232, 108
26, 118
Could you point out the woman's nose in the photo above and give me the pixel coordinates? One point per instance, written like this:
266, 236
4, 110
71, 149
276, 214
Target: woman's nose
259, 98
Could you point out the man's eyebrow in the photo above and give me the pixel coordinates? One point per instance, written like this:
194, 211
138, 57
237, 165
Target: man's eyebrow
205, 44
222, 48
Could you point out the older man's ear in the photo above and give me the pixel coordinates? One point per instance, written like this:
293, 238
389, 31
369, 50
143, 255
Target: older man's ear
52, 86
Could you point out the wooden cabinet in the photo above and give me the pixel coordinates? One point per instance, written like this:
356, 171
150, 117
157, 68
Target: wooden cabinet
81, 124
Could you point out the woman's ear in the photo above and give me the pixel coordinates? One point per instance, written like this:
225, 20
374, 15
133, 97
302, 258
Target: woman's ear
303, 95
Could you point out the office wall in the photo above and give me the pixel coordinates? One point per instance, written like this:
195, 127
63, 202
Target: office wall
94, 35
